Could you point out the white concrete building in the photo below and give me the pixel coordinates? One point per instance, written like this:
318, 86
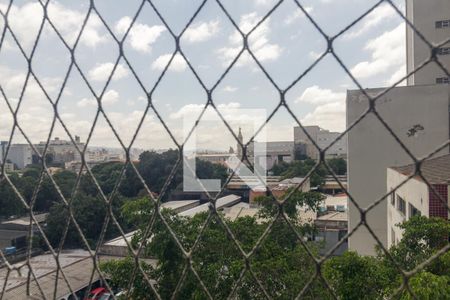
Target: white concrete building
62, 151
415, 197
323, 138
419, 116
432, 19
275, 152
21, 155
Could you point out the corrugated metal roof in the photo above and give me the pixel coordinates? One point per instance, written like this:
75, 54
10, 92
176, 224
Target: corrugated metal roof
221, 202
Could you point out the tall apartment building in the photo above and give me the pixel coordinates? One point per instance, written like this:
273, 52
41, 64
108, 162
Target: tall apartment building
418, 114
323, 138
432, 19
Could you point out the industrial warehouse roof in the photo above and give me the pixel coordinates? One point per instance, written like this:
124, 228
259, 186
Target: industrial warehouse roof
181, 205
25, 221
435, 170
12, 234
220, 203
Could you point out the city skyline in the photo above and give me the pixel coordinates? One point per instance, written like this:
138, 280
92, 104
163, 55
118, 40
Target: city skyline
318, 99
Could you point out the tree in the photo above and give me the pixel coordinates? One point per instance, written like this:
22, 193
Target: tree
301, 168
89, 212
421, 238
269, 206
426, 285
217, 259
338, 165
356, 277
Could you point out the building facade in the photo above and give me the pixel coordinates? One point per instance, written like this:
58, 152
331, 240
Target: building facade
415, 197
432, 19
323, 138
20, 155
419, 116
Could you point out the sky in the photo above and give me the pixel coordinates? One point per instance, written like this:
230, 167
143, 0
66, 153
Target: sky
285, 44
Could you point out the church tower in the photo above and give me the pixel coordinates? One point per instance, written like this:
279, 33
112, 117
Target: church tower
239, 147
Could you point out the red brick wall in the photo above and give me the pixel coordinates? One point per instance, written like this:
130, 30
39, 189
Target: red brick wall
437, 208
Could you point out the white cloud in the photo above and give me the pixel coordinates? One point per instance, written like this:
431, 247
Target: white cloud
388, 54
399, 74
201, 32
25, 21
316, 95
85, 102
263, 2
178, 63
190, 110
141, 36
101, 72
297, 14
377, 16
314, 55
329, 116
229, 89
110, 97
258, 42
329, 112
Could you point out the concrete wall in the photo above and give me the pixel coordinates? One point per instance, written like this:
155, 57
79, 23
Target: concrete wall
424, 14
20, 154
414, 192
372, 149
323, 138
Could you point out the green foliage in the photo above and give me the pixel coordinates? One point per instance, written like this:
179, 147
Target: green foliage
428, 286
355, 277
120, 273
90, 213
269, 206
300, 168
216, 258
421, 238
338, 165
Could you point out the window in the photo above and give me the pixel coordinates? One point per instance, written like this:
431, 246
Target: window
392, 236
443, 51
443, 24
341, 234
392, 196
413, 211
442, 80
401, 205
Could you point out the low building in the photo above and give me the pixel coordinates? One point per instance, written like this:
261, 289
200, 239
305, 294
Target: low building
77, 266
331, 228
13, 238
332, 186
23, 224
279, 188
272, 153
415, 197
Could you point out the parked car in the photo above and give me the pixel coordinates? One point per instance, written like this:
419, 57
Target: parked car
10, 250
106, 296
96, 293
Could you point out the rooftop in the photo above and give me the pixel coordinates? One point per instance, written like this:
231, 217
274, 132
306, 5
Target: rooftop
220, 203
77, 265
435, 170
12, 234
25, 221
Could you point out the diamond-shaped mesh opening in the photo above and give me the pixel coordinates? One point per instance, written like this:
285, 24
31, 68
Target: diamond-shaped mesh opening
93, 207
